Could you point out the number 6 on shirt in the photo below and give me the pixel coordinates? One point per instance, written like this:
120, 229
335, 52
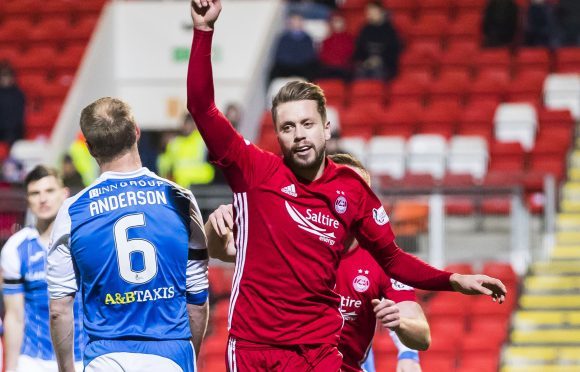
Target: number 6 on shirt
125, 247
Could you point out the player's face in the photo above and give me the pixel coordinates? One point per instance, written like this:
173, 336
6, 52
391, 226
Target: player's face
45, 197
302, 134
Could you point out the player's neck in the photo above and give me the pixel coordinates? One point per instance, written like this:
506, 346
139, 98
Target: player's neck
128, 162
44, 228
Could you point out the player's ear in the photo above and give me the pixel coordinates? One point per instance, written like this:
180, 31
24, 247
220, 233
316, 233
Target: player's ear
66, 192
327, 133
137, 132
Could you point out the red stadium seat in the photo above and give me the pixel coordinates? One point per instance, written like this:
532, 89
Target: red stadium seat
465, 27
334, 91
448, 304
15, 31
36, 60
367, 91
470, 5
487, 362
403, 23
460, 267
418, 59
409, 87
432, 361
450, 85
555, 118
407, 7
429, 27
489, 86
51, 29
568, 60
20, 7
4, 150
398, 117
532, 58
526, 87
478, 114
496, 58
458, 56
501, 270
354, 4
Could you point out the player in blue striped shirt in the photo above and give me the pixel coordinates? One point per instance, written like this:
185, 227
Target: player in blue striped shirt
27, 337
133, 245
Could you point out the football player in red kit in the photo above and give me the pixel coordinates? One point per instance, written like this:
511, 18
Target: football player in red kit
359, 282
292, 217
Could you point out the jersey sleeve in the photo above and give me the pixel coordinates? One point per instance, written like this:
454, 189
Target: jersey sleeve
244, 165
197, 281
12, 265
397, 291
373, 231
60, 271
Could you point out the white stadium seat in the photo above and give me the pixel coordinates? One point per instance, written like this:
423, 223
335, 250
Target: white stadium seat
354, 146
468, 155
334, 118
516, 122
317, 29
276, 85
426, 155
562, 91
387, 156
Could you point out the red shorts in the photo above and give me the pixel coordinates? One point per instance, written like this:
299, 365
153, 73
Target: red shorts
244, 356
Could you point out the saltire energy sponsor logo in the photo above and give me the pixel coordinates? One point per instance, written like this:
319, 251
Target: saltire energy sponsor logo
349, 307
161, 293
304, 222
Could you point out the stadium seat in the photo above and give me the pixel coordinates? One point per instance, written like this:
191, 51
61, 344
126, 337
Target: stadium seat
418, 59
562, 91
363, 117
488, 86
532, 59
465, 27
527, 87
450, 85
568, 60
398, 118
318, 29
334, 91
409, 87
428, 27
496, 58
516, 122
386, 156
426, 154
501, 270
460, 267
51, 30
355, 146
407, 7
367, 91
68, 61
440, 118
470, 5
15, 31
479, 363
468, 155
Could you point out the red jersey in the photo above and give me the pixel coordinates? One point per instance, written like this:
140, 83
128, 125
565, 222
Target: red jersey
360, 280
289, 233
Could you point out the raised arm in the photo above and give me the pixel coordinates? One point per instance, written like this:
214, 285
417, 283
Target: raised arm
215, 129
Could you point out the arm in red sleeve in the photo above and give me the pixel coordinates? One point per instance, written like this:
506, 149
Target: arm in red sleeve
216, 130
409, 269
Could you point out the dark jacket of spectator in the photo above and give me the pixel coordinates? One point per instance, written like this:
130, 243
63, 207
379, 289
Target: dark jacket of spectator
500, 23
539, 26
569, 20
295, 54
11, 106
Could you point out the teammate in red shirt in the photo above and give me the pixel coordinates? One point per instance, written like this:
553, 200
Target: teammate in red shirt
292, 217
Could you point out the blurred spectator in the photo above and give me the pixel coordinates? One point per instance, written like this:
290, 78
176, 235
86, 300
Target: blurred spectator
500, 22
378, 45
539, 25
71, 177
295, 55
569, 19
12, 171
233, 113
84, 163
336, 51
312, 9
11, 106
185, 158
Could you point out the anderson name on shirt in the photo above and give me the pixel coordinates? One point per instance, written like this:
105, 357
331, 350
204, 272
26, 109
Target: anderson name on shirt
125, 199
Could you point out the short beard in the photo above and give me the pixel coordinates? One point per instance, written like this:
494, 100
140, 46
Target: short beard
313, 165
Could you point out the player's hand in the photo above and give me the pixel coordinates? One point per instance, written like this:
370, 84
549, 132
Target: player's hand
479, 284
205, 13
222, 220
387, 312
408, 365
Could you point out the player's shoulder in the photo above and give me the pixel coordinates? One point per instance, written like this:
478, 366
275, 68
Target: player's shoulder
171, 185
16, 240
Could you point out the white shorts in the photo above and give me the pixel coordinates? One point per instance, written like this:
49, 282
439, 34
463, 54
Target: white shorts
29, 364
132, 362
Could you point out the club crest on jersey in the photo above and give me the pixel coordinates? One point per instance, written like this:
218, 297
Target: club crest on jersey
398, 286
380, 216
340, 204
361, 283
